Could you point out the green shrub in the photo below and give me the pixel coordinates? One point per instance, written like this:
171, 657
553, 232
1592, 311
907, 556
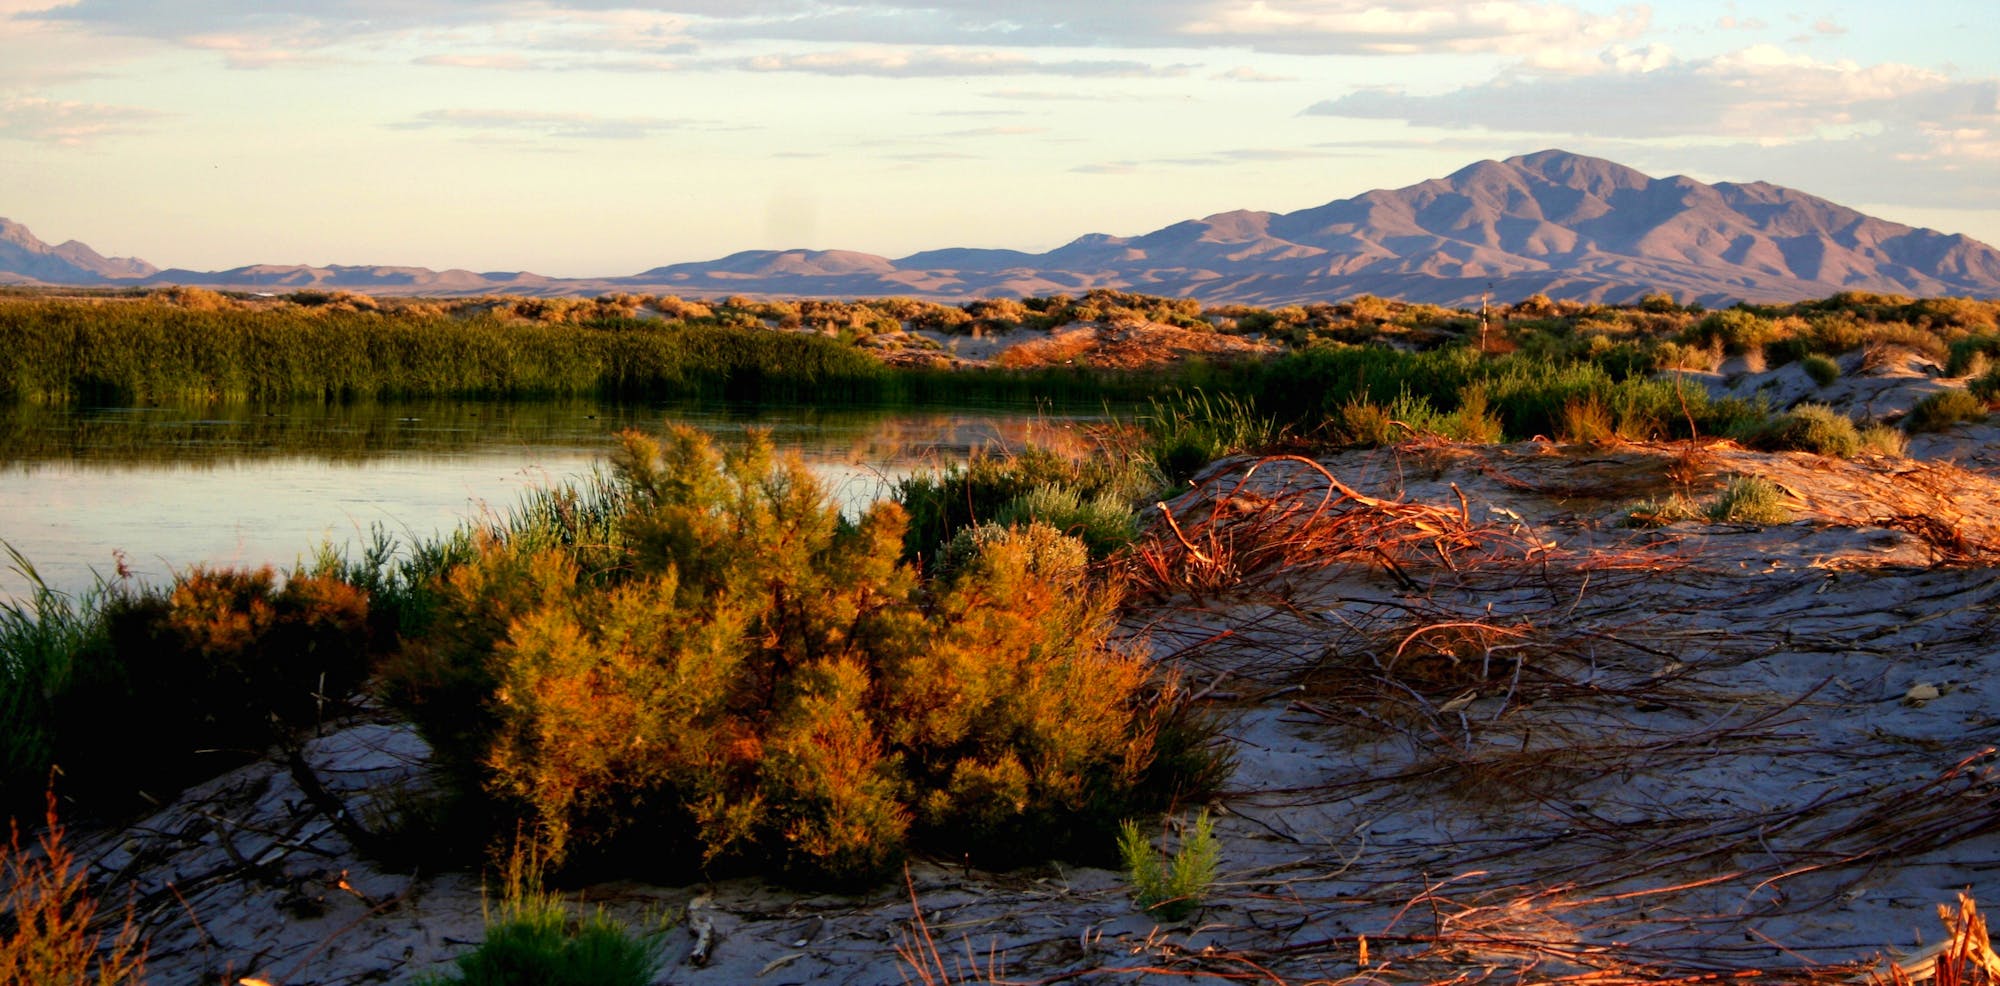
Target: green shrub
760, 681
1174, 888
1750, 500
1880, 439
1103, 523
1985, 386
1941, 410
1737, 329
1809, 428
1822, 369
941, 503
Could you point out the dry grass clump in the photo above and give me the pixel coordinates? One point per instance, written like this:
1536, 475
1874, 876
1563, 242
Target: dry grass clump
47, 919
1965, 956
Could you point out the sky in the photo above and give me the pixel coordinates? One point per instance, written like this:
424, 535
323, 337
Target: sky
605, 137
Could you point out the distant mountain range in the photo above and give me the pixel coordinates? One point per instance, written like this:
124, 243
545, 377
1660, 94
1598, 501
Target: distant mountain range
1552, 223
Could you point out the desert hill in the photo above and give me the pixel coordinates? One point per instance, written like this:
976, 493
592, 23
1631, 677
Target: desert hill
1552, 222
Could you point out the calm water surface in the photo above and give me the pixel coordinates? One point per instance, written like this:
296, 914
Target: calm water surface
84, 491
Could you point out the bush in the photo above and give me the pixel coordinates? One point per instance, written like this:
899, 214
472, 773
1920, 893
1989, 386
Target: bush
210, 670
1750, 500
760, 681
1822, 369
1171, 889
1810, 428
1943, 409
224, 662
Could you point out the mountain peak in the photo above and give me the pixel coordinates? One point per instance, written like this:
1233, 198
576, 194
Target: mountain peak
1579, 171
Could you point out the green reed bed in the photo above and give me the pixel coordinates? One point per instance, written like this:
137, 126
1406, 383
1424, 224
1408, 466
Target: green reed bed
57, 351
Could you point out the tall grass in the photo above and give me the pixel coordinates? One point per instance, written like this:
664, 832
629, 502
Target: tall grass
56, 351
39, 638
145, 351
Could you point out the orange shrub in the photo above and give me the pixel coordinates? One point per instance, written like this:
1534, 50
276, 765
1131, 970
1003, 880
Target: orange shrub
762, 680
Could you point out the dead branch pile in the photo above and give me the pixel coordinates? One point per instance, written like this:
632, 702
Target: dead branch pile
1303, 519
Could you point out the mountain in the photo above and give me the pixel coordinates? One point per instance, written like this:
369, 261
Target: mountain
1551, 223
30, 260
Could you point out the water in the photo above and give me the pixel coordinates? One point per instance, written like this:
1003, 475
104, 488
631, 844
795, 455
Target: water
93, 492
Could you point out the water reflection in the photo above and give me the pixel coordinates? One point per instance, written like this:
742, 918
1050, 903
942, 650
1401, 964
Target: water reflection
88, 490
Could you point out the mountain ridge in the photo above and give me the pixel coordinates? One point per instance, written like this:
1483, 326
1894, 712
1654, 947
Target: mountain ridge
1550, 222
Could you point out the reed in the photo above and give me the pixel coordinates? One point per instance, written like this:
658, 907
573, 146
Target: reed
55, 351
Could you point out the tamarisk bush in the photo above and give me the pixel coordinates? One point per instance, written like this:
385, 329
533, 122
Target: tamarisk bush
757, 680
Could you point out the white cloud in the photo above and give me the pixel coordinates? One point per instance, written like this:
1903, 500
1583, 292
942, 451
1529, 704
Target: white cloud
68, 123
1304, 26
1245, 74
588, 126
1760, 92
945, 62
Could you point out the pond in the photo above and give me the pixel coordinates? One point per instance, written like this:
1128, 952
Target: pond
92, 492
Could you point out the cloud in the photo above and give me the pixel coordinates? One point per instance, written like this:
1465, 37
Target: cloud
1759, 92
940, 63
996, 132
256, 33
1213, 160
564, 126
523, 63
1300, 26
68, 123
1242, 74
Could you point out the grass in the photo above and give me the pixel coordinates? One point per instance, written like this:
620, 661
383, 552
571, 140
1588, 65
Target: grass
1750, 500
1194, 428
39, 639
54, 351
535, 940
1173, 887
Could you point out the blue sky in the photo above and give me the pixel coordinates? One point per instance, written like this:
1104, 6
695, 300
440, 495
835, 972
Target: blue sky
603, 137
